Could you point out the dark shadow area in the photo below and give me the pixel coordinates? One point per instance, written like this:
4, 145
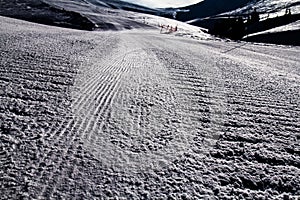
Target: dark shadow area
233, 28
271, 23
236, 27
284, 38
209, 8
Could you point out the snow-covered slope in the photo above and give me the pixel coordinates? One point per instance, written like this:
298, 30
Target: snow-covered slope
141, 115
93, 14
279, 21
41, 12
268, 8
104, 18
73, 14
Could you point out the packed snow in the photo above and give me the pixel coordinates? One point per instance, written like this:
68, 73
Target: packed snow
145, 112
138, 114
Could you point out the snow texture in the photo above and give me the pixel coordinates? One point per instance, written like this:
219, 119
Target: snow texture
143, 115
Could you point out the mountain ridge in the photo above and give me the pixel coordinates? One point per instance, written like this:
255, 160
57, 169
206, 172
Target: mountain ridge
208, 8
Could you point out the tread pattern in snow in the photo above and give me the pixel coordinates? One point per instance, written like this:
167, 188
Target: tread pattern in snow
110, 115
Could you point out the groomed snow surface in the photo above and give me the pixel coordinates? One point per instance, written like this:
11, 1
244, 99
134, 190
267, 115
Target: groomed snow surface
143, 115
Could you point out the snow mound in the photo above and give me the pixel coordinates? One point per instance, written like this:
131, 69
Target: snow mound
183, 29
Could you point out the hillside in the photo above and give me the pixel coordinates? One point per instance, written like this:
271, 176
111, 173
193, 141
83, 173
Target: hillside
40, 12
256, 17
78, 14
279, 21
208, 8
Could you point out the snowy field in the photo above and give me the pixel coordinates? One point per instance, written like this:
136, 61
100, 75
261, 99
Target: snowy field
142, 115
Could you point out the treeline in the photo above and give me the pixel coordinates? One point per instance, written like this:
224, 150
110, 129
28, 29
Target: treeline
236, 27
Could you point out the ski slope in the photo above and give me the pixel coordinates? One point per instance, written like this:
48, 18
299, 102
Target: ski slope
143, 115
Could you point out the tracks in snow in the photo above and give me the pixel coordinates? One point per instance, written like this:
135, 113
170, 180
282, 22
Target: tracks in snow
35, 80
131, 115
91, 108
